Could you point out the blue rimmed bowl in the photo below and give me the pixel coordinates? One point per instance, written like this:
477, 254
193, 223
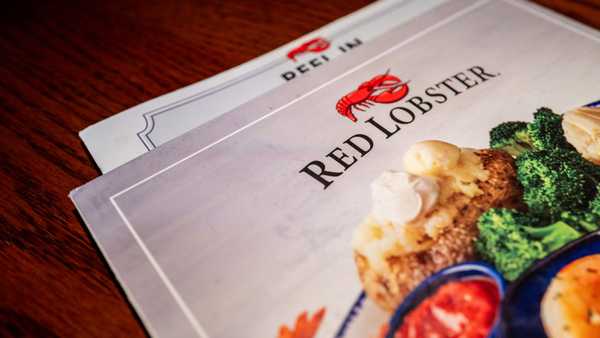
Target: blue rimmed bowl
593, 104
521, 305
457, 272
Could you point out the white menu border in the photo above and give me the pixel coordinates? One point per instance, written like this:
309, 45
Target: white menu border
165, 279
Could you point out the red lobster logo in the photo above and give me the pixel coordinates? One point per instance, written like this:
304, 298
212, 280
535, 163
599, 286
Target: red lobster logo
383, 88
314, 46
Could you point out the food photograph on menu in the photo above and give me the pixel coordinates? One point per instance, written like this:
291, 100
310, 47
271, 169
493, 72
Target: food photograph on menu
442, 180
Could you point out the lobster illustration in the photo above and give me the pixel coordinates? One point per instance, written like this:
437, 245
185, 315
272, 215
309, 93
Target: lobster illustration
315, 45
384, 88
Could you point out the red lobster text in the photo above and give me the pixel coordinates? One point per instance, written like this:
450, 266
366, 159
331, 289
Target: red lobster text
315, 45
383, 88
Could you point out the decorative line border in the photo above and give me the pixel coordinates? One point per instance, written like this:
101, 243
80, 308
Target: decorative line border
177, 297
144, 134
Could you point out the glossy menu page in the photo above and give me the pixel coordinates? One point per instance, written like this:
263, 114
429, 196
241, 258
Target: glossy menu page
323, 214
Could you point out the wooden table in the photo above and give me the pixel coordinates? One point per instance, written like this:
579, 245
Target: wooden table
64, 66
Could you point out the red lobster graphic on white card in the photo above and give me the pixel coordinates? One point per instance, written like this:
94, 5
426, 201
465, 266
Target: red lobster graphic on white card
384, 88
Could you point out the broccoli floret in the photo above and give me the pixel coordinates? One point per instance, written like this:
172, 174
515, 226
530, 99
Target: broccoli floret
546, 131
513, 241
511, 137
553, 236
585, 221
556, 180
588, 220
503, 241
594, 206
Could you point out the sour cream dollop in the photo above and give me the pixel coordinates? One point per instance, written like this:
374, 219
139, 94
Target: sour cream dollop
582, 130
399, 197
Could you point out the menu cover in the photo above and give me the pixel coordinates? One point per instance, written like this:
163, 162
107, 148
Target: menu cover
140, 129
443, 179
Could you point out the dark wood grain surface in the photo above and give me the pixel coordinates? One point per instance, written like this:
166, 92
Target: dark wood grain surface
65, 65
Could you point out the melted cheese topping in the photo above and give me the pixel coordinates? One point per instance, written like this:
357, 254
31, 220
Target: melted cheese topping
431, 158
379, 241
458, 169
465, 175
390, 230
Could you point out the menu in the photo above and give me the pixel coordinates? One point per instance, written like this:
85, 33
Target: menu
140, 129
443, 180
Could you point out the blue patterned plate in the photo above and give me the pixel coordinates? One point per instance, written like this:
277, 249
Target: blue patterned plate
521, 305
